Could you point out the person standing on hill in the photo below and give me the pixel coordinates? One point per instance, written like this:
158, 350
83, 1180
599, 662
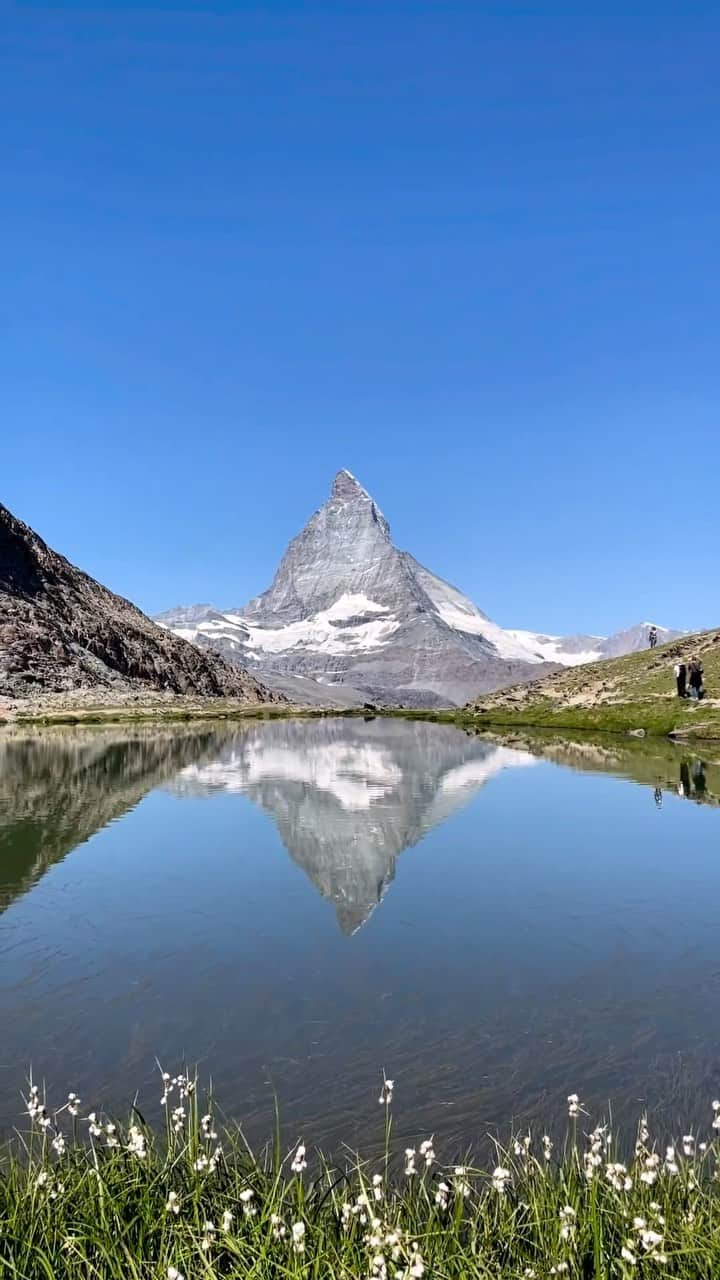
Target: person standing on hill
696, 678
681, 679
653, 636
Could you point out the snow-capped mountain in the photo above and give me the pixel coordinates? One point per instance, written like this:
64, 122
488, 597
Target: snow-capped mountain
349, 618
351, 611
572, 651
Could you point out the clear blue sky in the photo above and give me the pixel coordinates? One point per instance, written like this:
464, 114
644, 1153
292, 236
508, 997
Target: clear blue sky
469, 251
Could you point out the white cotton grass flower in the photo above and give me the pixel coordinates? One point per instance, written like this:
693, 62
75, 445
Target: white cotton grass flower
567, 1222
172, 1204
136, 1143
386, 1092
208, 1238
73, 1104
58, 1144
501, 1179
521, 1147
416, 1266
427, 1151
279, 1230
618, 1177
226, 1221
178, 1119
688, 1145
377, 1185
298, 1237
410, 1169
174, 1274
94, 1128
650, 1170
593, 1158
671, 1165
460, 1183
111, 1138
547, 1145
442, 1195
36, 1108
246, 1200
574, 1104
206, 1124
627, 1255
299, 1163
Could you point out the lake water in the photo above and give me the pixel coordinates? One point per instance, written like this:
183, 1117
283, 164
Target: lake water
296, 905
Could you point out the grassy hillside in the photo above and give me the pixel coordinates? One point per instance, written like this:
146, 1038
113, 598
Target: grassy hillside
619, 694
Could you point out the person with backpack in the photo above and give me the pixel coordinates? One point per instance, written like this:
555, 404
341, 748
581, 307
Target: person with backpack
696, 679
653, 636
681, 679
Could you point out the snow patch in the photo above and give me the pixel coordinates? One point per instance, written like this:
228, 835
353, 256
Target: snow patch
549, 649
319, 633
357, 776
475, 773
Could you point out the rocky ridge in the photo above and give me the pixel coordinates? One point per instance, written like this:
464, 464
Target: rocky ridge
61, 631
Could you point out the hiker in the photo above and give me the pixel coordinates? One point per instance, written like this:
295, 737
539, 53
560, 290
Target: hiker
695, 674
681, 679
658, 797
653, 636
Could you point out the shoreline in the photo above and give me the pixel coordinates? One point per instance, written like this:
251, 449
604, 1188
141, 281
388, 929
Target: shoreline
691, 722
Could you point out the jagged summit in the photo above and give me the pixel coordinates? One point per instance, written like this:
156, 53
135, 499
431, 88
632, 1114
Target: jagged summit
346, 487
60, 631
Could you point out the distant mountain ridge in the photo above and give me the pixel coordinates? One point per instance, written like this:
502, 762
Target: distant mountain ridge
349, 617
61, 631
572, 651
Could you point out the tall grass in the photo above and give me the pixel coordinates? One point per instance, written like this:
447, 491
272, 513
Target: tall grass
82, 1196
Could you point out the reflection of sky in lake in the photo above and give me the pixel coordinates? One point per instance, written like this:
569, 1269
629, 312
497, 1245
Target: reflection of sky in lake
544, 931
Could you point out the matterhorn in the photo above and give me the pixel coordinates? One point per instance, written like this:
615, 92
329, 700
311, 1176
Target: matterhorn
349, 618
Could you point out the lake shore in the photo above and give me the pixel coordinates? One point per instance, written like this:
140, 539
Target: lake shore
83, 1194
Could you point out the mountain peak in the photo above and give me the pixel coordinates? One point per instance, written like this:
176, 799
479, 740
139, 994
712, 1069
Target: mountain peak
347, 486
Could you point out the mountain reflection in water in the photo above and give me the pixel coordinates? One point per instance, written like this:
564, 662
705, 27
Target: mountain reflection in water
348, 796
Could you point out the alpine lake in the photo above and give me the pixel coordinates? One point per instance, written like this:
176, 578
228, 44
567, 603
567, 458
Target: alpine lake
295, 906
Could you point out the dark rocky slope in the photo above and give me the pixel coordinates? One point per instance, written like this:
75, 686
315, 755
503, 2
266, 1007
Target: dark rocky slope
60, 631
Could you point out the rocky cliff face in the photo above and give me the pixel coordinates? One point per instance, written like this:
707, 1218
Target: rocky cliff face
348, 609
62, 631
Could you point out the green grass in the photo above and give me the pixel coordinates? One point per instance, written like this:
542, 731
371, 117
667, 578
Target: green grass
108, 1212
